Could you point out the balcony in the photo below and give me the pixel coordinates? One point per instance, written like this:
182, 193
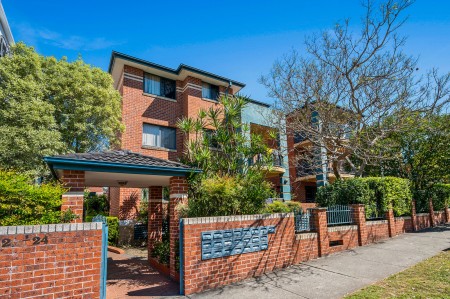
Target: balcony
4, 46
276, 163
305, 172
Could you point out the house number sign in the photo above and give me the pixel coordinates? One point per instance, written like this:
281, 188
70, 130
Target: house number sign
221, 243
6, 242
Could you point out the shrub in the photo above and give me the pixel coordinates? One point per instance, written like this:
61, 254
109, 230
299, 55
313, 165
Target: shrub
377, 194
276, 207
223, 195
161, 251
282, 207
438, 193
113, 228
24, 203
96, 204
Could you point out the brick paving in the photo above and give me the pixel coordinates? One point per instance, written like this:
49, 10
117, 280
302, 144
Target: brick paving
131, 277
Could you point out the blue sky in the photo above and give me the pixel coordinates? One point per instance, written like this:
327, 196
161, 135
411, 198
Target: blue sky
235, 39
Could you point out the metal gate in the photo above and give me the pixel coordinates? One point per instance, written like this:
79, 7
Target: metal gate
104, 263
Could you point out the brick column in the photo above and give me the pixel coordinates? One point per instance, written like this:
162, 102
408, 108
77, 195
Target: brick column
391, 222
321, 226
178, 194
432, 220
73, 199
359, 216
155, 217
447, 214
413, 216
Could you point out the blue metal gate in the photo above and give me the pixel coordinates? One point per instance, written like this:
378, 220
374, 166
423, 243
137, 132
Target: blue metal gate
104, 266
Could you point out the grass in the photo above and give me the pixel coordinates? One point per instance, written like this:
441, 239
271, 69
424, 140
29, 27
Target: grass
428, 279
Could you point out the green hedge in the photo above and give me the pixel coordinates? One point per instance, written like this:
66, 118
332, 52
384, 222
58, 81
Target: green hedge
282, 207
23, 203
113, 228
440, 195
377, 194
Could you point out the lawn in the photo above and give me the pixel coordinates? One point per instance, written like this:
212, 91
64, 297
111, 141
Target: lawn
428, 279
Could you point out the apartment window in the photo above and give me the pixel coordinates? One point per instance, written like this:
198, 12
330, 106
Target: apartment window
310, 193
159, 86
210, 91
157, 136
210, 136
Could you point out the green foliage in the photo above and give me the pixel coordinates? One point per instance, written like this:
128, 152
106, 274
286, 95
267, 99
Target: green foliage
161, 251
438, 193
221, 196
377, 194
96, 204
282, 207
142, 216
23, 203
50, 106
113, 228
222, 146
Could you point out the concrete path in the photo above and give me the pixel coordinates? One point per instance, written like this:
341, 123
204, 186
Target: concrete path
342, 273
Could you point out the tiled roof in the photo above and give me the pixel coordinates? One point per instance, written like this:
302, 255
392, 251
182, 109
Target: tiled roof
123, 157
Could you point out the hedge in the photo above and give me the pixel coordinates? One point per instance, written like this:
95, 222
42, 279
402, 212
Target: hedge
24, 203
113, 228
377, 195
438, 193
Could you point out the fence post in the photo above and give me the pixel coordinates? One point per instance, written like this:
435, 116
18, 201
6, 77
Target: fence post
447, 214
320, 223
359, 216
391, 222
432, 220
413, 216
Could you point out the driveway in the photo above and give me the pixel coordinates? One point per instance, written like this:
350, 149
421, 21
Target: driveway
342, 273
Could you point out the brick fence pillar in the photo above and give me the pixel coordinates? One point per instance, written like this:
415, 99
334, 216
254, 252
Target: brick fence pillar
432, 219
74, 198
321, 225
391, 222
178, 194
413, 216
359, 216
447, 214
155, 217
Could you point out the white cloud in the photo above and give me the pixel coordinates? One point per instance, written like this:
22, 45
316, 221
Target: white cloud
35, 36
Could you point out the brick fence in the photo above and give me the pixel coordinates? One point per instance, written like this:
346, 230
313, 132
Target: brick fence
285, 247
50, 261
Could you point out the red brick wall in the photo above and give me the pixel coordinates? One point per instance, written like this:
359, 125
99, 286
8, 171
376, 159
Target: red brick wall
403, 225
423, 221
377, 230
201, 274
124, 202
348, 235
439, 217
67, 266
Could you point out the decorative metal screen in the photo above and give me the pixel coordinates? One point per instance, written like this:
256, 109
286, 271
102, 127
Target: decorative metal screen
339, 214
220, 243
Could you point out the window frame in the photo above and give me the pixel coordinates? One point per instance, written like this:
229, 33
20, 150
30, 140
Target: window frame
161, 146
162, 84
210, 86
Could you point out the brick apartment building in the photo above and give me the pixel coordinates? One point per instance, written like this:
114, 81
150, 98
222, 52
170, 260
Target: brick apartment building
154, 97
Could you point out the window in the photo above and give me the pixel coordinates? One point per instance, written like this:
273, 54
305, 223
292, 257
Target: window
157, 136
210, 136
310, 192
210, 91
159, 86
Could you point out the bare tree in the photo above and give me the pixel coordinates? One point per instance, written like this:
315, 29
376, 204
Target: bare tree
348, 92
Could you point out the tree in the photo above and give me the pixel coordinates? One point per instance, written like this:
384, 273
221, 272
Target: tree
51, 106
342, 93
232, 181
421, 154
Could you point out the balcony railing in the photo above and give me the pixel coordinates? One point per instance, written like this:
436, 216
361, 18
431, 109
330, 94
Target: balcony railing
276, 159
4, 46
